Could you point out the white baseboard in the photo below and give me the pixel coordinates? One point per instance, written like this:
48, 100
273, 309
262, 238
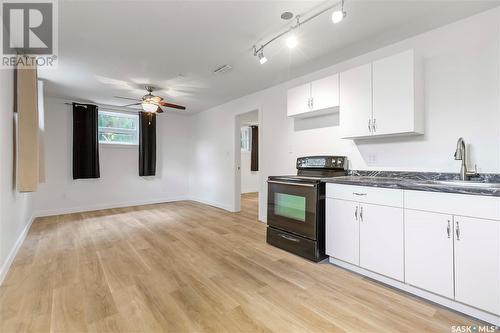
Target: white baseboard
89, 208
10, 258
446, 302
213, 203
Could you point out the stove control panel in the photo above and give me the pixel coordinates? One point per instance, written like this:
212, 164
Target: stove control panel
322, 162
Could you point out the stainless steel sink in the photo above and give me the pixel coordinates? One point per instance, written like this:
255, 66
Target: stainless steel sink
460, 183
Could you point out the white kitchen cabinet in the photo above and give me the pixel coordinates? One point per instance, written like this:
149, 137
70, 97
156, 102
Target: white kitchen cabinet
429, 251
382, 98
397, 95
298, 100
356, 102
342, 230
325, 93
381, 240
315, 98
477, 263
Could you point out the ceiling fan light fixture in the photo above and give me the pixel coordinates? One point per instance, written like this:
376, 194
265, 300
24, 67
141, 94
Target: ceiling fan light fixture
149, 107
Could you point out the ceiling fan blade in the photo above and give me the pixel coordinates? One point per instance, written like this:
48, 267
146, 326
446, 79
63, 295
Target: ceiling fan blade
174, 106
124, 106
132, 99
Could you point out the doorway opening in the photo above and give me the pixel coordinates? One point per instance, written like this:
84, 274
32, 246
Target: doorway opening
247, 162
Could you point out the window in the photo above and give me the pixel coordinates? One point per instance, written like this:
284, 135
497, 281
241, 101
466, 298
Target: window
245, 138
118, 128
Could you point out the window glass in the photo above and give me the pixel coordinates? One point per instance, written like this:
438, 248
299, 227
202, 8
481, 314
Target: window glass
118, 128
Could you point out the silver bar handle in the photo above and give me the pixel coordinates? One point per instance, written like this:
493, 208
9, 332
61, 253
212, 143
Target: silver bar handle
448, 229
312, 102
370, 125
289, 238
457, 230
361, 213
356, 213
290, 183
357, 193
374, 125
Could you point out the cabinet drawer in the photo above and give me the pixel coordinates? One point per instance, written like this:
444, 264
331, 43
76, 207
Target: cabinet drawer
366, 194
453, 204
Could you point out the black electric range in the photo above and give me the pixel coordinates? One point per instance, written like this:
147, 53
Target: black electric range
296, 206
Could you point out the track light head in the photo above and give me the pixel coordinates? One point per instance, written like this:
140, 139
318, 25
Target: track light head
262, 57
339, 14
291, 41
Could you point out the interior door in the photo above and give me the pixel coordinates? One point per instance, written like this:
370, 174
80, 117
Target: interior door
381, 240
325, 92
477, 263
298, 99
356, 101
429, 251
393, 94
342, 230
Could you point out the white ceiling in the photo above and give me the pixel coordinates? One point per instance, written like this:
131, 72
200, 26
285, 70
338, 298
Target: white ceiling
109, 48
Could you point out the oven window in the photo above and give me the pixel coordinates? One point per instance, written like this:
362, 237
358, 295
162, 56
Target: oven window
290, 206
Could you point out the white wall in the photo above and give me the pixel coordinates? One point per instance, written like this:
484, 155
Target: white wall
119, 184
15, 208
461, 69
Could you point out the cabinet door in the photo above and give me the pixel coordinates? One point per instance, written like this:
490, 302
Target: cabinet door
381, 240
325, 93
356, 101
477, 263
393, 94
429, 251
342, 230
298, 100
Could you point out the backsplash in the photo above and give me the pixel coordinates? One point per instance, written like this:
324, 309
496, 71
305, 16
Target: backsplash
485, 177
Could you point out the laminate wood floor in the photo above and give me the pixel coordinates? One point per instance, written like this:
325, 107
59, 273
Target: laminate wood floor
188, 267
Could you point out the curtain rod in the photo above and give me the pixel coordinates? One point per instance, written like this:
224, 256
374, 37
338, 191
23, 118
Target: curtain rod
104, 108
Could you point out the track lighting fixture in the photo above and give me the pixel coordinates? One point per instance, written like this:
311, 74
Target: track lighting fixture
291, 40
339, 14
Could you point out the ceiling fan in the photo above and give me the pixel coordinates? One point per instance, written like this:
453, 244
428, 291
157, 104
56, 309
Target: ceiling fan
151, 103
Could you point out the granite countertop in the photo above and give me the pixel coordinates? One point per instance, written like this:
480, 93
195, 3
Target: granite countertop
486, 184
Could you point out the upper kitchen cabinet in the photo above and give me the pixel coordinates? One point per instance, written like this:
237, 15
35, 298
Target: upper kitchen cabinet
383, 98
315, 98
356, 102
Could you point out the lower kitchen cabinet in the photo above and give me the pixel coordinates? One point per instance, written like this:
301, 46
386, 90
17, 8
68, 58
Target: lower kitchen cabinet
381, 240
342, 230
477, 263
429, 251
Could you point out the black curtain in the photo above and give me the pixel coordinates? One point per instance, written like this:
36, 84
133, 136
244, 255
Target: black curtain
147, 144
254, 163
85, 141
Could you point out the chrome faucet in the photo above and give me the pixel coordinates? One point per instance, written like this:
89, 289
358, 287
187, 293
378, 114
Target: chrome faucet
461, 154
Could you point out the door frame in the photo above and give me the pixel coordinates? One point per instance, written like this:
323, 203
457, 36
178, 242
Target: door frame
237, 160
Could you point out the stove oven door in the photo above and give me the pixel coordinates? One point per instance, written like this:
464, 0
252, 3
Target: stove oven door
291, 207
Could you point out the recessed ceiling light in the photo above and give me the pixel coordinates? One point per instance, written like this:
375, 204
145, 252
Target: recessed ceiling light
291, 41
286, 16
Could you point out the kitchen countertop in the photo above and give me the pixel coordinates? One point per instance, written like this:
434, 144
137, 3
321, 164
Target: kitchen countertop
422, 182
